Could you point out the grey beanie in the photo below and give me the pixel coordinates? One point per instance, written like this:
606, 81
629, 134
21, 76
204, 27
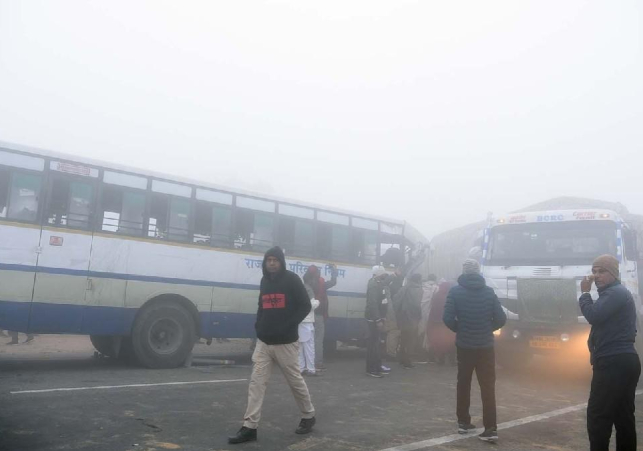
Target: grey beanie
471, 266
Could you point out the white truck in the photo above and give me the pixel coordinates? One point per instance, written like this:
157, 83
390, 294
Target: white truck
535, 261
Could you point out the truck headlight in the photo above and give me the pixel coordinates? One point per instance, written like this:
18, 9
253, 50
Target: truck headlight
497, 332
516, 334
564, 337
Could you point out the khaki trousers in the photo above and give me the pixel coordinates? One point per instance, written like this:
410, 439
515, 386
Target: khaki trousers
287, 358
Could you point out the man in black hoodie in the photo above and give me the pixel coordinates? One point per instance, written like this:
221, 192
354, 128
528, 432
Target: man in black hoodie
283, 304
473, 312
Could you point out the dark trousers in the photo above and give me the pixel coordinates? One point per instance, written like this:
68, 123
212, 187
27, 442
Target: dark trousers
611, 402
373, 356
483, 361
407, 345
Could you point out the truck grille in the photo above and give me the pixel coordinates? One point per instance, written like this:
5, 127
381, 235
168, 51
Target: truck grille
547, 300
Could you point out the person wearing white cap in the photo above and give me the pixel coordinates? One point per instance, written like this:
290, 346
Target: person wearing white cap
374, 314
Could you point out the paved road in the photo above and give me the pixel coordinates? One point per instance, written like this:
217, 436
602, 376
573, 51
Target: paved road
354, 412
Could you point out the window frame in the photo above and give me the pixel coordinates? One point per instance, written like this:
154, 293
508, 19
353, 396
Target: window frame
56, 176
43, 181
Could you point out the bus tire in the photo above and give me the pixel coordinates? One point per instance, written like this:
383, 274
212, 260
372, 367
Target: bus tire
104, 344
163, 335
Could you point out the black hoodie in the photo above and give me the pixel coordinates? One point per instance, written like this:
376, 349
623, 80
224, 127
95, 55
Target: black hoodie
283, 303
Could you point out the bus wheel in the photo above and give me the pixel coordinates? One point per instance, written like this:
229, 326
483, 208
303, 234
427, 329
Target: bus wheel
163, 335
104, 344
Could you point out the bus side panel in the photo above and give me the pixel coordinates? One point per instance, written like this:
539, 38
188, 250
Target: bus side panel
61, 282
234, 312
18, 257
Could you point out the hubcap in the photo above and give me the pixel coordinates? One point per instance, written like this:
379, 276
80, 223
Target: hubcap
165, 336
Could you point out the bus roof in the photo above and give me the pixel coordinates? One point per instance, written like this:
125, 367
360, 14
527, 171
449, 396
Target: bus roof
187, 181
587, 214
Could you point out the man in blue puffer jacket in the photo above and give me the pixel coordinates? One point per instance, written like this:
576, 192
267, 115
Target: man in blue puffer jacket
473, 312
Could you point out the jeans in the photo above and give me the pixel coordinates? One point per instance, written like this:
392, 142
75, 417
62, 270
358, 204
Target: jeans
483, 361
373, 357
611, 402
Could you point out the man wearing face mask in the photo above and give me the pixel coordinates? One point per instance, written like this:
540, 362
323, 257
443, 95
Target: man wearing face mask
616, 365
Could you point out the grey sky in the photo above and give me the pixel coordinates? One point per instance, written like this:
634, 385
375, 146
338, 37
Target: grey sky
431, 111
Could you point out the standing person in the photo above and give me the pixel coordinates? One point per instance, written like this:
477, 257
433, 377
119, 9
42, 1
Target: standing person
441, 340
321, 315
283, 304
307, 326
393, 333
616, 365
429, 288
375, 315
408, 312
473, 312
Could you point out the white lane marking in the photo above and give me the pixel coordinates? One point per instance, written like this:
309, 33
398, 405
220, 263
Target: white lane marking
109, 387
509, 424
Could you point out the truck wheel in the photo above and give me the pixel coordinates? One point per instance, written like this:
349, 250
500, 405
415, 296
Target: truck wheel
104, 344
163, 335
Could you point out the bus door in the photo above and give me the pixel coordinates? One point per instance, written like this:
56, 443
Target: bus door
65, 246
20, 193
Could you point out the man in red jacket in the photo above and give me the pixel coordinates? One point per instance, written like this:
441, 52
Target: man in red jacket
283, 304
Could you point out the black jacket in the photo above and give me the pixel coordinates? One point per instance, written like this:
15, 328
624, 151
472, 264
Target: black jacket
613, 320
283, 304
473, 312
375, 294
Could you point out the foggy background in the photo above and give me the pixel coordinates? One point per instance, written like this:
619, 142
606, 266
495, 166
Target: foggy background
433, 112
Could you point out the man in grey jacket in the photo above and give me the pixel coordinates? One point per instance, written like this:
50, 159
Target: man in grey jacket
473, 312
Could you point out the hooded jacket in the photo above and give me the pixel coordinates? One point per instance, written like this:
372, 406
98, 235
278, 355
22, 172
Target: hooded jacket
613, 320
283, 303
407, 305
473, 312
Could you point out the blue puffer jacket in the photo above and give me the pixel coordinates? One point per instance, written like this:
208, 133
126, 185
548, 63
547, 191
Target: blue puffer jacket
473, 312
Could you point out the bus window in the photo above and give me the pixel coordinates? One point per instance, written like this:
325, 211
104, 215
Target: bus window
179, 219
391, 250
254, 230
24, 197
70, 204
157, 223
212, 225
122, 211
222, 226
296, 236
4, 192
333, 242
202, 223
365, 246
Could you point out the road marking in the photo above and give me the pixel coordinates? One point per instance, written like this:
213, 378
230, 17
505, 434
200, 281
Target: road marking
109, 387
509, 424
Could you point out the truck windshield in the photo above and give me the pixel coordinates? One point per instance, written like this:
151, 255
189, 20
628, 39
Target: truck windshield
552, 244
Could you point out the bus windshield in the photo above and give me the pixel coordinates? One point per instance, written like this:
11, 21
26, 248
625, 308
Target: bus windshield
557, 243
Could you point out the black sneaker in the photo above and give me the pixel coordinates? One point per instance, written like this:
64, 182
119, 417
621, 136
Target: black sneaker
305, 425
244, 435
489, 435
465, 428
374, 374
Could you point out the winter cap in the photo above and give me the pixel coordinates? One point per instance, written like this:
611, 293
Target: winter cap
471, 266
378, 271
608, 263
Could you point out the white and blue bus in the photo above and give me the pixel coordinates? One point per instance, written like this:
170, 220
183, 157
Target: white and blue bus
144, 263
